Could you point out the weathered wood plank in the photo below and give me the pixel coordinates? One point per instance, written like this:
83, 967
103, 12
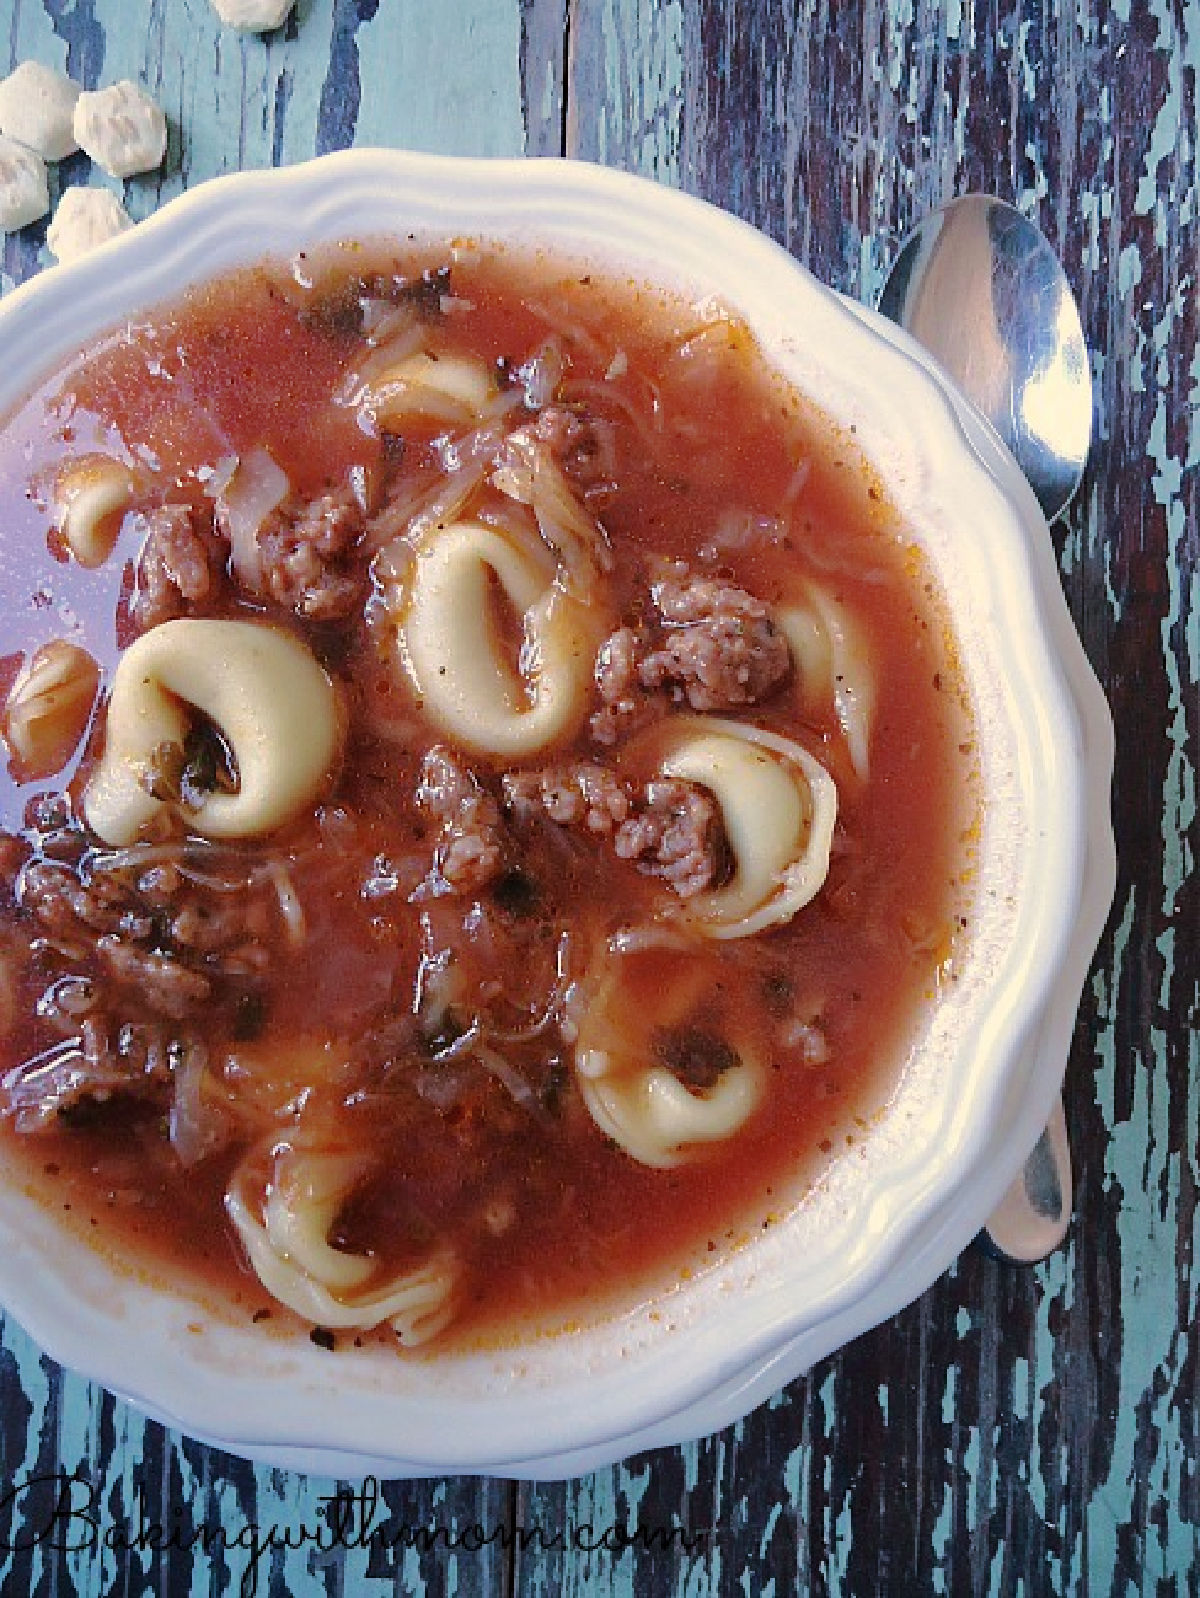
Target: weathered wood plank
544, 34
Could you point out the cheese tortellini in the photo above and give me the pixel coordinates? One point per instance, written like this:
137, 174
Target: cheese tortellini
778, 807
286, 1236
49, 706
270, 700
653, 1117
833, 667
471, 687
640, 1103
91, 495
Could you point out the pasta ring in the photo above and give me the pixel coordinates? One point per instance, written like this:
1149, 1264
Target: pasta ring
449, 645
445, 388
287, 1240
645, 1108
654, 1117
832, 668
265, 692
778, 805
49, 706
91, 496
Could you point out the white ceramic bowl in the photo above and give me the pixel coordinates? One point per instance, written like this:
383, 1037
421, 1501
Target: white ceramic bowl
977, 1091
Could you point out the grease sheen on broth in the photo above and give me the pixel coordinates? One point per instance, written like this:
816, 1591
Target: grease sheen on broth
631, 845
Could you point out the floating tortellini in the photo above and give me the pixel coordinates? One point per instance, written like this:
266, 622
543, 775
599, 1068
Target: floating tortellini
778, 807
833, 668
271, 702
49, 706
635, 1099
493, 699
286, 1236
91, 495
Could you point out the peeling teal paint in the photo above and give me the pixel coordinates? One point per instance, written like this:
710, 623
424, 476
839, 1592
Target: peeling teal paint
640, 125
458, 68
1029, 68
941, 1538
1179, 799
949, 1397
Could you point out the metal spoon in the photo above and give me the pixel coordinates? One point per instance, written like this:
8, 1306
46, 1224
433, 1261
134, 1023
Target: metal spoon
983, 291
979, 286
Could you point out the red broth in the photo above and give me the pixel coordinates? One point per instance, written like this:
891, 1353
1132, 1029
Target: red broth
321, 1007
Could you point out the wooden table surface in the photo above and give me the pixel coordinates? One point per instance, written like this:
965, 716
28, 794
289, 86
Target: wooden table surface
1015, 1430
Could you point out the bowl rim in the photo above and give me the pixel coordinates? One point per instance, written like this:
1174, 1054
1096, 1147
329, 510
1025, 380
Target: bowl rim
241, 217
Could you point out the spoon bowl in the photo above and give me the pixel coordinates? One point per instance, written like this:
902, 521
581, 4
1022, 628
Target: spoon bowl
982, 290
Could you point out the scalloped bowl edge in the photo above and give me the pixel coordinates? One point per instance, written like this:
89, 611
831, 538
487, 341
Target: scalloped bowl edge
958, 1127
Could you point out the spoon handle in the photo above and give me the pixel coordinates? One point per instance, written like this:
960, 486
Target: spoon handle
1031, 1219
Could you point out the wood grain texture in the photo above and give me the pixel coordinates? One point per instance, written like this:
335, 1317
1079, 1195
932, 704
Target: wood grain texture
1013, 1431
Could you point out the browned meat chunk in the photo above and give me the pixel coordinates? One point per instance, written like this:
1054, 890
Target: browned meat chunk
71, 910
562, 429
139, 1049
531, 467
162, 982
156, 935
100, 1062
180, 565
720, 646
617, 669
138, 955
674, 831
231, 924
307, 550
710, 644
471, 850
676, 835
625, 704
579, 795
576, 444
